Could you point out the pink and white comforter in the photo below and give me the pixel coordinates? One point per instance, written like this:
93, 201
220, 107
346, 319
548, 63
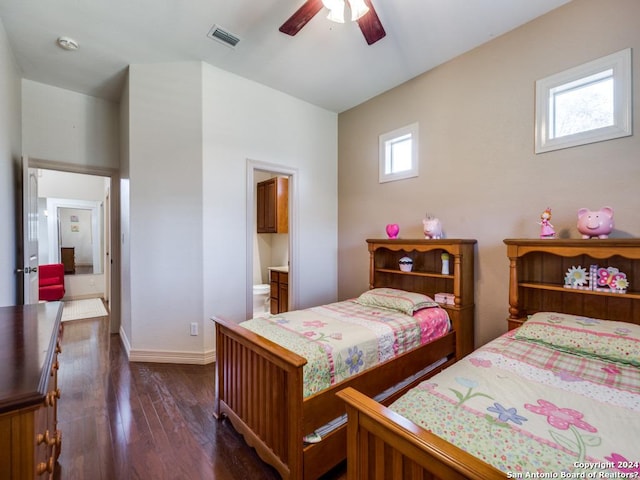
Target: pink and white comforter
559, 396
344, 338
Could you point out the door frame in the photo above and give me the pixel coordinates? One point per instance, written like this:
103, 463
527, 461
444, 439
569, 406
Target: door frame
28, 288
260, 166
114, 229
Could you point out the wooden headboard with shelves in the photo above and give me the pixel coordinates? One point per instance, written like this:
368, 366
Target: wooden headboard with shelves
537, 269
427, 277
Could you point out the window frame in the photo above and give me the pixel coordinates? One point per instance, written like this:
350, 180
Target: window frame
385, 141
620, 64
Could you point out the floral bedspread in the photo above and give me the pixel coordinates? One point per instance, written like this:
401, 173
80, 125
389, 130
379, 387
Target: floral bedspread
344, 338
529, 408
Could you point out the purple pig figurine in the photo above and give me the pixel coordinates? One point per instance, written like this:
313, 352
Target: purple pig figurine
595, 223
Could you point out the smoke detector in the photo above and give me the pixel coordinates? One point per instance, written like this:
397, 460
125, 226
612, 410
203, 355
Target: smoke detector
67, 43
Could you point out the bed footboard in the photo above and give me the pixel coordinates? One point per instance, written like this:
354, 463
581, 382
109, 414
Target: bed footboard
383, 444
259, 388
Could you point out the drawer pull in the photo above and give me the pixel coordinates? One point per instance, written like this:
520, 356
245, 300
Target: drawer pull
50, 398
47, 439
45, 467
42, 438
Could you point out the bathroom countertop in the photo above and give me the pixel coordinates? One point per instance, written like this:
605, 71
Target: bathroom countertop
283, 269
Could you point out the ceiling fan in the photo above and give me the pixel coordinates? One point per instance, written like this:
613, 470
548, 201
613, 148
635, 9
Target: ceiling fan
369, 23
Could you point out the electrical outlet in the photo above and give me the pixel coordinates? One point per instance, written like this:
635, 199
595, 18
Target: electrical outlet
194, 328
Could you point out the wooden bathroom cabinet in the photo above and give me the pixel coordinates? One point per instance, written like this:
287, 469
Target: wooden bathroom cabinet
273, 205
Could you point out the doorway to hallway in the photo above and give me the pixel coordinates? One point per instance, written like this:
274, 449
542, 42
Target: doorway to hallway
84, 284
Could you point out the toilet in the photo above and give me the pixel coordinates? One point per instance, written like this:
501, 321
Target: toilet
261, 299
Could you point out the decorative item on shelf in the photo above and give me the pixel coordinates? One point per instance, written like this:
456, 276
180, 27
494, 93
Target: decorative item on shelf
611, 279
446, 298
406, 264
393, 230
595, 223
602, 279
546, 229
431, 227
578, 278
593, 274
445, 263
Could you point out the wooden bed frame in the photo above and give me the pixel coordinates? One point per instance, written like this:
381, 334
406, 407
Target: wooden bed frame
259, 384
382, 444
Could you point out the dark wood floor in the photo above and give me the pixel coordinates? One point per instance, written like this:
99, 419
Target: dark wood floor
122, 420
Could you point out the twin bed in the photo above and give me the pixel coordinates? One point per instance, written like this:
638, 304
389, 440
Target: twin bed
558, 397
260, 384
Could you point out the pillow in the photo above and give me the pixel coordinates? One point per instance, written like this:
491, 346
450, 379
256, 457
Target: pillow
394, 299
592, 337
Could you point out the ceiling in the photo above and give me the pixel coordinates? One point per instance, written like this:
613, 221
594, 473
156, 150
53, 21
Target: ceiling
326, 64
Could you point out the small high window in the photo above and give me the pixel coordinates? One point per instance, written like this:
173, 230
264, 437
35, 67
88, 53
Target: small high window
586, 104
399, 154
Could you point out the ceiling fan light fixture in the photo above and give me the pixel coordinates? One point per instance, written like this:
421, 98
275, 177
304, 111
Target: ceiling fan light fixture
336, 10
333, 4
336, 16
358, 9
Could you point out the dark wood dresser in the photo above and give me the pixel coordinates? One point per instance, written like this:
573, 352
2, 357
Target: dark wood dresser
30, 338
68, 259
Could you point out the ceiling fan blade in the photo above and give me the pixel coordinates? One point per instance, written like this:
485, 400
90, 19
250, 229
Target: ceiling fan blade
301, 17
370, 25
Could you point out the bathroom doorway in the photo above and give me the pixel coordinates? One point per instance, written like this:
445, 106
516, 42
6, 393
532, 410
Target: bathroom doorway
270, 256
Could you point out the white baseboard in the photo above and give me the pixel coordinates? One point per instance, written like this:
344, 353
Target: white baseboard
190, 358
125, 341
83, 297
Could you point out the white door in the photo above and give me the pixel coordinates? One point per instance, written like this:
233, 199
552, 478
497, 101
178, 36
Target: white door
30, 232
107, 246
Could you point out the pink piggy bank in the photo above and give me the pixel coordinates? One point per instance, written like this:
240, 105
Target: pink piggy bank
432, 227
595, 224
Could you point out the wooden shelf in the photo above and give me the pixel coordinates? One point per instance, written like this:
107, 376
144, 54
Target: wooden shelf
538, 266
562, 288
426, 276
418, 274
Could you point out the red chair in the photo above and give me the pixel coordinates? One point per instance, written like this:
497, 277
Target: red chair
51, 281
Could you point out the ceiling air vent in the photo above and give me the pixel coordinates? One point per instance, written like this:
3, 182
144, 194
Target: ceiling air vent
221, 35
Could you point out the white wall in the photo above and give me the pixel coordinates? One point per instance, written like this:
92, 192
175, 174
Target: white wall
191, 129
79, 133
10, 140
65, 126
125, 231
165, 212
77, 186
245, 121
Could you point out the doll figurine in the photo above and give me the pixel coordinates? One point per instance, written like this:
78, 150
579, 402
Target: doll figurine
546, 229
